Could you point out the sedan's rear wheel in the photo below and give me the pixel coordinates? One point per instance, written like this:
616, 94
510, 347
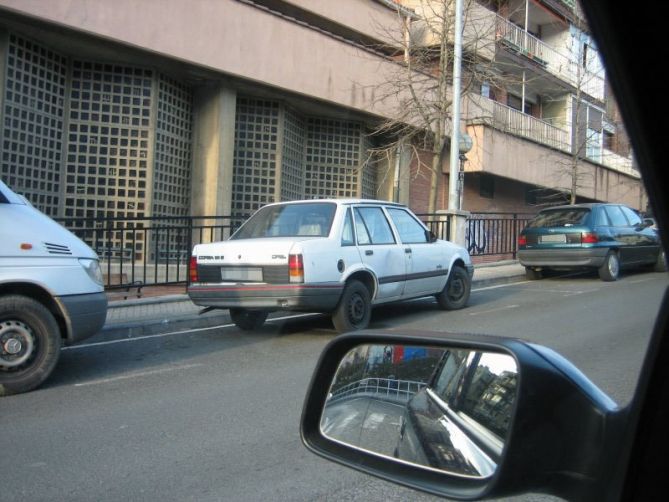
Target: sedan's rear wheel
661, 263
355, 308
248, 320
610, 268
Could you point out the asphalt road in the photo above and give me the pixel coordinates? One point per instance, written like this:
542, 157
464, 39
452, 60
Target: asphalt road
214, 414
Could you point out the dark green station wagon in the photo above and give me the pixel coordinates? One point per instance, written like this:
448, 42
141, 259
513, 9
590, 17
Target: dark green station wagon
606, 237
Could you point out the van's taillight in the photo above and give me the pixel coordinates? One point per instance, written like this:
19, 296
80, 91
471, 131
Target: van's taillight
522, 240
192, 270
589, 238
295, 268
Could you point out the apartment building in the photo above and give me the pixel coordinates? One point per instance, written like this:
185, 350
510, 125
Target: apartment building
117, 108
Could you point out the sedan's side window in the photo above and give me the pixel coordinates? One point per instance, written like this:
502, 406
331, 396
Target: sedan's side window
600, 218
616, 216
632, 217
375, 225
347, 238
411, 232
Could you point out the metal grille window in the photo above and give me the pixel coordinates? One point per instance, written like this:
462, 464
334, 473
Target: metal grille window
292, 163
171, 179
369, 170
256, 131
108, 140
332, 158
33, 122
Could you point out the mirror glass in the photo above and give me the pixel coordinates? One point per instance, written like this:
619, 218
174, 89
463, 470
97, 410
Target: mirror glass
446, 409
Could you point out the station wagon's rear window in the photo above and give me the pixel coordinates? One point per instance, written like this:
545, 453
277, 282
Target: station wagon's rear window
560, 218
289, 220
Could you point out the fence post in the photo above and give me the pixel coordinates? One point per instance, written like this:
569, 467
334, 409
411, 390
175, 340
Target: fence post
514, 246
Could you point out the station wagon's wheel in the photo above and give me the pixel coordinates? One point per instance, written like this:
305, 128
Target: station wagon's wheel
248, 320
532, 274
354, 309
610, 268
661, 263
455, 294
29, 344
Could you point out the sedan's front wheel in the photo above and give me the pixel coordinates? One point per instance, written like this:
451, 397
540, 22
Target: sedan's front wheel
610, 268
455, 294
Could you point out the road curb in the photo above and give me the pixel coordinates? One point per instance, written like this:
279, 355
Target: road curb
148, 326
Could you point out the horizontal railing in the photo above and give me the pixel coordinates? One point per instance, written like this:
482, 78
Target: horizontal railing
148, 251
400, 391
482, 110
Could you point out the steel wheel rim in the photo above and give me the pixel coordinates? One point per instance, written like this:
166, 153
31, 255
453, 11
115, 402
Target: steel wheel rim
356, 309
17, 344
456, 289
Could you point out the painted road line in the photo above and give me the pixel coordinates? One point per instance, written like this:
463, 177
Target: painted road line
506, 307
139, 375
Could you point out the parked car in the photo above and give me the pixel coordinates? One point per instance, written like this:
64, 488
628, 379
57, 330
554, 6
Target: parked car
605, 237
51, 293
333, 256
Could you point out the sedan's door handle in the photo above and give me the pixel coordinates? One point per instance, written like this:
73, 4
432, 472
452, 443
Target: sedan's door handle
369, 252
407, 250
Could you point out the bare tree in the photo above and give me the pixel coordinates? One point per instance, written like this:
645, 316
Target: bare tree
421, 81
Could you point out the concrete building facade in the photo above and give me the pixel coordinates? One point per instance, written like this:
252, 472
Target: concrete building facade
172, 108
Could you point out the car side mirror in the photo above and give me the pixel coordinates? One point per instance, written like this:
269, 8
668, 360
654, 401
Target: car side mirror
459, 416
430, 236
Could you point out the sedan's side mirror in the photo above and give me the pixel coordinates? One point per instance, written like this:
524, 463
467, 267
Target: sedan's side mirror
460, 416
430, 236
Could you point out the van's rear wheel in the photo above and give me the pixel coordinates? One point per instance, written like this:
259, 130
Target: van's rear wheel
355, 308
248, 320
29, 344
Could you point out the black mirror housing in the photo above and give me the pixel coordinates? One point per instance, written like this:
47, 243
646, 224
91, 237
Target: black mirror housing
558, 433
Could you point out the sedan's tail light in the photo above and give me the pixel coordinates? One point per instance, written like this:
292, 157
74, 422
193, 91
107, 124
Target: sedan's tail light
192, 270
589, 238
295, 268
522, 240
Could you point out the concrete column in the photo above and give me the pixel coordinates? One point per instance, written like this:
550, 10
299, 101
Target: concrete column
213, 150
457, 225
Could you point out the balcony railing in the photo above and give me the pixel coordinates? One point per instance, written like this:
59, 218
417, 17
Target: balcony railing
517, 40
486, 111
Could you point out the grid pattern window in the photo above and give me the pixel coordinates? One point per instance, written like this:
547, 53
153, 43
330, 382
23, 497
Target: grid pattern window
254, 175
369, 170
33, 122
292, 163
333, 157
171, 178
108, 141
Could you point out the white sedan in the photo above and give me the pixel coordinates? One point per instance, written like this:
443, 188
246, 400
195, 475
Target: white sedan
334, 256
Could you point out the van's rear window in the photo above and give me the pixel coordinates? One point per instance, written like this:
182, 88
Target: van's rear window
559, 218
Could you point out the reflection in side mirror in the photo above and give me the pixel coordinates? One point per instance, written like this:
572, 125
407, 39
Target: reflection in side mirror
446, 409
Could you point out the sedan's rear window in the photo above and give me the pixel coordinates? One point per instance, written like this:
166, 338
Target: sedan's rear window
289, 220
559, 218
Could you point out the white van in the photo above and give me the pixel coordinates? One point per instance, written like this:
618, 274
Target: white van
51, 293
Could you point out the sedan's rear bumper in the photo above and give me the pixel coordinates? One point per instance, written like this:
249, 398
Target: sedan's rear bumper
575, 257
297, 297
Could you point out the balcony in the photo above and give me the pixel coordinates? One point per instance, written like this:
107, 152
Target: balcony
518, 41
482, 110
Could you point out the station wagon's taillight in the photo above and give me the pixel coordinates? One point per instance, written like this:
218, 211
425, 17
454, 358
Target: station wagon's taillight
589, 238
295, 268
522, 240
192, 270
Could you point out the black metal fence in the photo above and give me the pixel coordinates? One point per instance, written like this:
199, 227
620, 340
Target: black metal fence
148, 251
156, 250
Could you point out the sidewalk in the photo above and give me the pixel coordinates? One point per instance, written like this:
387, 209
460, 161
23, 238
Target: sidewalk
167, 309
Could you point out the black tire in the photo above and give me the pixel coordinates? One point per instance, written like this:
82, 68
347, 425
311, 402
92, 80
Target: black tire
610, 269
532, 274
661, 263
248, 320
30, 341
354, 310
455, 294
